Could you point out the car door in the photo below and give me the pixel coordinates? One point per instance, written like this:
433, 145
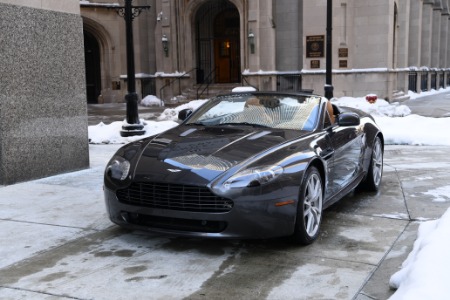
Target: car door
347, 143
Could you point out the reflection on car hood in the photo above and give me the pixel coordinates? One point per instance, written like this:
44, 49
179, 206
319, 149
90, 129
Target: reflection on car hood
196, 155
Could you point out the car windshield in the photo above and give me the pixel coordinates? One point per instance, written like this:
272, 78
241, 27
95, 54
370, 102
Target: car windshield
262, 110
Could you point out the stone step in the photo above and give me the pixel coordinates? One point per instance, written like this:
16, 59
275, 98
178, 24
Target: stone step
399, 96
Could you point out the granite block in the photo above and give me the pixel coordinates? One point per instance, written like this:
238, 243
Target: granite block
43, 109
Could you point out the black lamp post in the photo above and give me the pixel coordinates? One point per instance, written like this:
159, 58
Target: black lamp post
329, 60
133, 125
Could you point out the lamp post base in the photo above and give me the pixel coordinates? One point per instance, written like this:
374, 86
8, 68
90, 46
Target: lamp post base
132, 130
329, 91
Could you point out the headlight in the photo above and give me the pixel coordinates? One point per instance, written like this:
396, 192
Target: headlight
118, 168
253, 177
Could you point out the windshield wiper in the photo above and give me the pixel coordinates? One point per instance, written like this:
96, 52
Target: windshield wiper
196, 124
246, 124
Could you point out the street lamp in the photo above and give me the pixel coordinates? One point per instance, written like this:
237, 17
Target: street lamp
251, 41
165, 43
133, 125
329, 61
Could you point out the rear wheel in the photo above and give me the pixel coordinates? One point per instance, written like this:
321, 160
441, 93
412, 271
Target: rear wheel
309, 210
375, 172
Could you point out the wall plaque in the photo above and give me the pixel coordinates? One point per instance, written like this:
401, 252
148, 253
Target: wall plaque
343, 52
315, 64
315, 46
343, 64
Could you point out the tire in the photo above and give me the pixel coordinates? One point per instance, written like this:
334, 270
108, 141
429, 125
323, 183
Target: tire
373, 179
309, 209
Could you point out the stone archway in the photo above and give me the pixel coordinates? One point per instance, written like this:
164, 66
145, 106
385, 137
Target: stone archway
218, 48
98, 64
92, 64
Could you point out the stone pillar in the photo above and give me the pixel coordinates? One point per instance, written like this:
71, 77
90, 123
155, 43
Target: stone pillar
253, 24
415, 33
289, 46
43, 115
436, 36
444, 39
266, 36
427, 25
402, 44
448, 45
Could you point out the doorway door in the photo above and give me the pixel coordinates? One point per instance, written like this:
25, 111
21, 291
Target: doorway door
218, 43
227, 60
92, 62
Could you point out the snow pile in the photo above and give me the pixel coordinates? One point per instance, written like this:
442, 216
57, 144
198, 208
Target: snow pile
151, 100
172, 113
413, 95
241, 89
380, 108
414, 130
110, 134
424, 274
399, 126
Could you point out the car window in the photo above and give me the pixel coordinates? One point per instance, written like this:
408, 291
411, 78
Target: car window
272, 111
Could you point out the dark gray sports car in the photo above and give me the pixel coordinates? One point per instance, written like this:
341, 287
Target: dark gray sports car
246, 165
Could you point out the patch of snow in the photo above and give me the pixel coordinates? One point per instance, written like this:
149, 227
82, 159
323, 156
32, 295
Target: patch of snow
441, 194
151, 100
424, 274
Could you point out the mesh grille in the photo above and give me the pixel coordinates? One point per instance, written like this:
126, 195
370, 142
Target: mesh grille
174, 197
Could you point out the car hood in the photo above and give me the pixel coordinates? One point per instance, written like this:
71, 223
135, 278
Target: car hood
194, 155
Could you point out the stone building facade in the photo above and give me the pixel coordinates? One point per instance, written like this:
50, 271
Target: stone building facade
192, 47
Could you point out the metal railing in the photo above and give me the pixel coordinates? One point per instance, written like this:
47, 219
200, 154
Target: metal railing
178, 78
244, 79
206, 83
433, 80
412, 81
424, 81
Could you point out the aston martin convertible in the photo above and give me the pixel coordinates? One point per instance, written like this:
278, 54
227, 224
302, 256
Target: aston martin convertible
246, 165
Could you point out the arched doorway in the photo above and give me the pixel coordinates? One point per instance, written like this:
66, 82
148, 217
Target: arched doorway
92, 62
218, 42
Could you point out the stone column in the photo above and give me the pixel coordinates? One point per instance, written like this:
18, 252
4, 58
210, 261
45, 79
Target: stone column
427, 25
266, 39
448, 45
415, 33
436, 36
444, 38
404, 20
43, 115
252, 26
289, 47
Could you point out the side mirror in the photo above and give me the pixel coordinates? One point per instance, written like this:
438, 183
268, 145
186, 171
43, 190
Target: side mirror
184, 114
348, 119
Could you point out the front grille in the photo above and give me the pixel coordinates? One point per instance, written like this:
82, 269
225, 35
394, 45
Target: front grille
174, 197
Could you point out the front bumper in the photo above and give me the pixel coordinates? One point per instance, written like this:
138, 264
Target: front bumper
251, 217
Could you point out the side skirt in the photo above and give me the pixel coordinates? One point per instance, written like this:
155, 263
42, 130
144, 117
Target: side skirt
338, 196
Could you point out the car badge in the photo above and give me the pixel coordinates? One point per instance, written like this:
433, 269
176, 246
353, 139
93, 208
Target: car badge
174, 170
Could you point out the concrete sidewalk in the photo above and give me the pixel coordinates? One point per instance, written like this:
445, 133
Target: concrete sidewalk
437, 106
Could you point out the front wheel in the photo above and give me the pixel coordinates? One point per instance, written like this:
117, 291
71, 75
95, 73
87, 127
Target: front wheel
309, 210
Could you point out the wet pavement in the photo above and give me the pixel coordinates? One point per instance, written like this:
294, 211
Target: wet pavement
57, 242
